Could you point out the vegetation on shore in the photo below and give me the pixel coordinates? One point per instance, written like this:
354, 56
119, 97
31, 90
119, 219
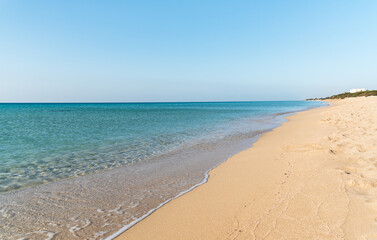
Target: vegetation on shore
349, 95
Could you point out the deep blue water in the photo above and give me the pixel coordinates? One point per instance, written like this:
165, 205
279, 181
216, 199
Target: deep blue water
40, 143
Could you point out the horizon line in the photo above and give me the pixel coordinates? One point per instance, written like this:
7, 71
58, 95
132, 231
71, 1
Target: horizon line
231, 101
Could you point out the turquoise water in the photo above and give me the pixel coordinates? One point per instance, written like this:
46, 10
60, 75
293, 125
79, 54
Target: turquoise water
40, 143
90, 171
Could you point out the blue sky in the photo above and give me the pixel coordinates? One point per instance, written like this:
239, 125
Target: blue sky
69, 51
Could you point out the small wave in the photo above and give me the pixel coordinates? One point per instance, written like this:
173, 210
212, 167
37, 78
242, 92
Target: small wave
137, 220
84, 223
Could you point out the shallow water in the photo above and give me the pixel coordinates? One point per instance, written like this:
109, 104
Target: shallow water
129, 158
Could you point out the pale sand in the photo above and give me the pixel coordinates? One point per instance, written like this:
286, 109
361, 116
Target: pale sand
315, 177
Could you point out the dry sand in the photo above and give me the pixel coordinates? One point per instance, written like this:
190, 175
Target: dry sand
315, 177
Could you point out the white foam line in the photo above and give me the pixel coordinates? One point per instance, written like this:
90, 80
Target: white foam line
131, 224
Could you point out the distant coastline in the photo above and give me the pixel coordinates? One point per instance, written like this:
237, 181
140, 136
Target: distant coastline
367, 93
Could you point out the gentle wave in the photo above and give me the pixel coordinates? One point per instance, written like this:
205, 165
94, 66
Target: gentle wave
118, 198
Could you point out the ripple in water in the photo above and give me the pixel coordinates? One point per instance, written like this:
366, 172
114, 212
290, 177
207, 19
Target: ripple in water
122, 175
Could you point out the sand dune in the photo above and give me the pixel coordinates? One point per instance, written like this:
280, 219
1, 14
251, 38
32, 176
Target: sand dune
315, 177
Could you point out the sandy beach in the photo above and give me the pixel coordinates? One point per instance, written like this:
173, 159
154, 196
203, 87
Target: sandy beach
315, 177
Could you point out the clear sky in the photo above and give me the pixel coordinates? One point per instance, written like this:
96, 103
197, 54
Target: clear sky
194, 50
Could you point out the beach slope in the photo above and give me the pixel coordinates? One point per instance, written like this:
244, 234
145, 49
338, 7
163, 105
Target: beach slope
315, 177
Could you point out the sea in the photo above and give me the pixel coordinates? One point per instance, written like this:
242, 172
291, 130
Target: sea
93, 170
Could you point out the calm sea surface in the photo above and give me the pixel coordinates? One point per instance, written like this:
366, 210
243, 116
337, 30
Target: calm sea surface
118, 160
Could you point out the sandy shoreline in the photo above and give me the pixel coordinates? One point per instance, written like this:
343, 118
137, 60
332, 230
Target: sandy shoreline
312, 178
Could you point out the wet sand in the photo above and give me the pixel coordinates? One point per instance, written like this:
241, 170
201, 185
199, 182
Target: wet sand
315, 177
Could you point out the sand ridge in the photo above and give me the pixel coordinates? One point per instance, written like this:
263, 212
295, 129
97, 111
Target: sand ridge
315, 177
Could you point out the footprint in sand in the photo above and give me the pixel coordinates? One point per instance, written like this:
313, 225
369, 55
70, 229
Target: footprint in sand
302, 148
